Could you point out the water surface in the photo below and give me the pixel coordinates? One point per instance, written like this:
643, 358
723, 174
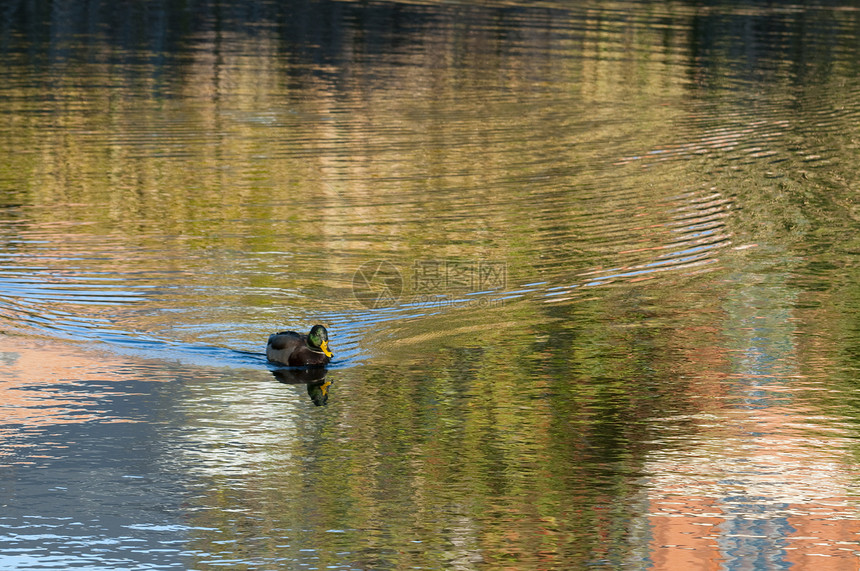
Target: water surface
589, 272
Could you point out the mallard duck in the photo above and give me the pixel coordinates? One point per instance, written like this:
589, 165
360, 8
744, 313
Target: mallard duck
297, 350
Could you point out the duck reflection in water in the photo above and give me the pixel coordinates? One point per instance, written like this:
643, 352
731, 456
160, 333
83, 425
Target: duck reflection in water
313, 378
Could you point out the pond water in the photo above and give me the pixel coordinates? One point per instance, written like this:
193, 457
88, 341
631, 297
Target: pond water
589, 271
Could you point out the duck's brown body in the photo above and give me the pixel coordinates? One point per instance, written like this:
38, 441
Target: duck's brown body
294, 350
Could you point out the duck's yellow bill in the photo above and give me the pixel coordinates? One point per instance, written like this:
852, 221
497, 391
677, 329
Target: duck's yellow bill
324, 347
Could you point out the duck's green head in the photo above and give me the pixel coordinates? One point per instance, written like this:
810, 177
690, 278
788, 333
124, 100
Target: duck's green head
318, 337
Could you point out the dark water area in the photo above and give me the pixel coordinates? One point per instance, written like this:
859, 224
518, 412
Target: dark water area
589, 272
